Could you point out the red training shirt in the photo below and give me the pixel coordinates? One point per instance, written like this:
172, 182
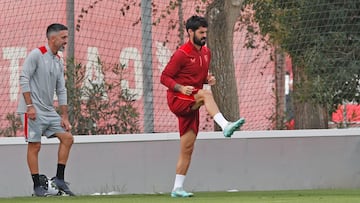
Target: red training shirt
187, 66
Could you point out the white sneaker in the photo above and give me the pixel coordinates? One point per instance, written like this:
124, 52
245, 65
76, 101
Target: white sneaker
232, 126
180, 192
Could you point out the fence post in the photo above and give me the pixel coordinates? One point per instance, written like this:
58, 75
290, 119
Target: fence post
146, 43
70, 52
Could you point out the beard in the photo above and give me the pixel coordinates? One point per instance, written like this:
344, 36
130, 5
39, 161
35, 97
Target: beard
199, 42
62, 48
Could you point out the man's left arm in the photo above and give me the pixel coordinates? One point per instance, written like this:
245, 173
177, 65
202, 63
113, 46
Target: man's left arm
65, 123
61, 93
210, 79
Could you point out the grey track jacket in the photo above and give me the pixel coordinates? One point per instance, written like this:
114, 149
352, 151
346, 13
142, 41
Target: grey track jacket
42, 75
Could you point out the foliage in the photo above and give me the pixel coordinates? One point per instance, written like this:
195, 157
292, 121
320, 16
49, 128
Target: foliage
322, 37
101, 108
13, 127
179, 23
127, 4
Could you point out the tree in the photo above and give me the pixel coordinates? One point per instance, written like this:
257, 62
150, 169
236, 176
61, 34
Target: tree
222, 16
322, 39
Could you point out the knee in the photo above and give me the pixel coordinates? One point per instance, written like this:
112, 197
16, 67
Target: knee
206, 94
68, 139
188, 149
34, 146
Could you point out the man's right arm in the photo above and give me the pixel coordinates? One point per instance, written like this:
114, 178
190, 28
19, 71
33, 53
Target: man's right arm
27, 98
27, 71
170, 71
178, 87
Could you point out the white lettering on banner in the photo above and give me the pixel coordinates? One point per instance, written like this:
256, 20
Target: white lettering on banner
127, 54
163, 54
93, 73
14, 54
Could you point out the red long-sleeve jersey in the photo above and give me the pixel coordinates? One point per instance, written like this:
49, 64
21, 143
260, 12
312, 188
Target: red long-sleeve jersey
187, 66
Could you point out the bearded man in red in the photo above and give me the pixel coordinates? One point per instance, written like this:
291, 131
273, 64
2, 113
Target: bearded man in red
184, 76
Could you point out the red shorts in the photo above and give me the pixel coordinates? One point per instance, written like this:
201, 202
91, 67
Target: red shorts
180, 105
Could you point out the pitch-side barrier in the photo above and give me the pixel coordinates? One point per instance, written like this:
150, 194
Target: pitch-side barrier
145, 163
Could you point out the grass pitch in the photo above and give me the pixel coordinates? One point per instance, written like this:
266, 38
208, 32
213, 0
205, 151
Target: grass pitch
303, 196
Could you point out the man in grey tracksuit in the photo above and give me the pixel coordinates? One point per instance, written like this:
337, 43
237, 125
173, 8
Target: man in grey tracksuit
42, 75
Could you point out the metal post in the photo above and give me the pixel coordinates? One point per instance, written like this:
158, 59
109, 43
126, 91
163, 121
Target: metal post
146, 23
70, 55
70, 52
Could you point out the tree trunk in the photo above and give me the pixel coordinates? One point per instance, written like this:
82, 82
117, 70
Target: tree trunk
222, 16
279, 89
310, 116
307, 114
181, 20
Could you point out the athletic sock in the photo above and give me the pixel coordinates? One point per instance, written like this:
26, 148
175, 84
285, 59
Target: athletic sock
36, 179
179, 181
60, 171
220, 120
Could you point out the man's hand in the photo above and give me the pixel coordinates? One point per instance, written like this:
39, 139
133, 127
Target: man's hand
187, 90
211, 79
31, 112
66, 124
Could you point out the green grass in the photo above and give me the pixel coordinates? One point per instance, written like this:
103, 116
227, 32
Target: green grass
303, 196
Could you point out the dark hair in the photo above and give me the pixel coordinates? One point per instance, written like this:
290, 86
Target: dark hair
55, 27
194, 22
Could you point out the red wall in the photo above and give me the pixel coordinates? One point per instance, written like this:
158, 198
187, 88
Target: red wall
116, 38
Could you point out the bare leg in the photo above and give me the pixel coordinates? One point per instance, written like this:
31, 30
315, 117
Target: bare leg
66, 141
205, 97
187, 142
186, 148
32, 157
